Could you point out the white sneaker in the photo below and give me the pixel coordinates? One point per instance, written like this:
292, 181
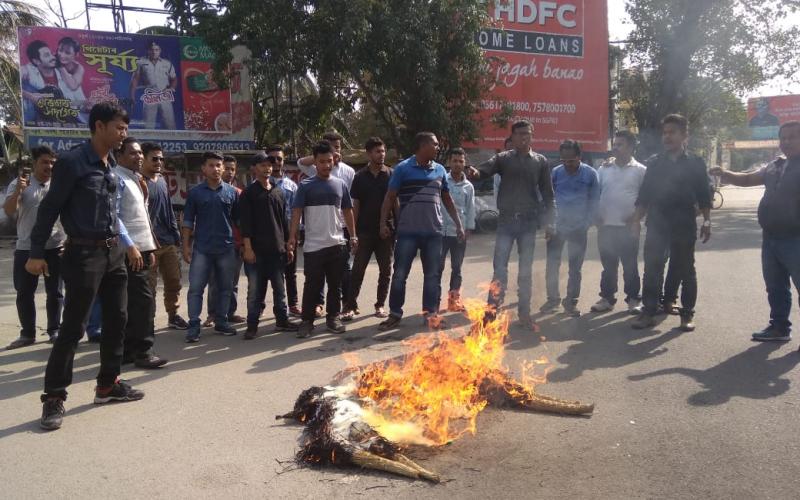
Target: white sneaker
634, 306
602, 305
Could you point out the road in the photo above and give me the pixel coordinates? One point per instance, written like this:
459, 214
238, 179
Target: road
679, 415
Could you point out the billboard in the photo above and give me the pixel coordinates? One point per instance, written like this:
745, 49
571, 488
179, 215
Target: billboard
549, 64
164, 82
765, 115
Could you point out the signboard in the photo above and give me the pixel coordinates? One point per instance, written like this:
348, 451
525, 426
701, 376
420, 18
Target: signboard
549, 63
765, 115
164, 82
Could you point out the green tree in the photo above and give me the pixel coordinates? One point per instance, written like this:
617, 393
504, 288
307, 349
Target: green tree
13, 13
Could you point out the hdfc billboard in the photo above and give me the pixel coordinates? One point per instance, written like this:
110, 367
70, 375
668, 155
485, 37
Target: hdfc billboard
549, 64
765, 115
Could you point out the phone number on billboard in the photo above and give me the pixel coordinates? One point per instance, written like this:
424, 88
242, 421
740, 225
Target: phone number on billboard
179, 147
530, 107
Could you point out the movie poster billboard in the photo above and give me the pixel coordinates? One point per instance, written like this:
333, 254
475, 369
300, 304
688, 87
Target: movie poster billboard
549, 64
765, 115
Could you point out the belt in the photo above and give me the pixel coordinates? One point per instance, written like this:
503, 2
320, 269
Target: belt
518, 215
85, 242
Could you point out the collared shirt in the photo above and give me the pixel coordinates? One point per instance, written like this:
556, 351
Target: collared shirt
463, 194
322, 201
83, 193
28, 206
211, 214
619, 188
263, 218
156, 75
162, 214
576, 197
419, 189
525, 186
289, 189
670, 191
370, 190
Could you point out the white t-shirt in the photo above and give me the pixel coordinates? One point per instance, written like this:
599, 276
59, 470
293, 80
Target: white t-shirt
619, 188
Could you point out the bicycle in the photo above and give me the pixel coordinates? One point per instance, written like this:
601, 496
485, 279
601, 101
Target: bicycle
716, 198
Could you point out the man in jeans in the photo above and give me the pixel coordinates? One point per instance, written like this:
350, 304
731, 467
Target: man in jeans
525, 200
165, 226
369, 189
264, 235
421, 186
779, 217
577, 191
676, 182
322, 201
23, 197
211, 207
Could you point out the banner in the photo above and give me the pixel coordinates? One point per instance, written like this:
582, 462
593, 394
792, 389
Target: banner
549, 64
765, 115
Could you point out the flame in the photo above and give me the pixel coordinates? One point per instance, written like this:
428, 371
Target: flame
432, 396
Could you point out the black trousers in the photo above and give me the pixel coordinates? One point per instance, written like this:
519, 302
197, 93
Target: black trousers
290, 273
319, 267
140, 329
26, 283
679, 249
383, 249
89, 271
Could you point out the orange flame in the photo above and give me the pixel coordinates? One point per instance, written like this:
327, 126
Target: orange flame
432, 396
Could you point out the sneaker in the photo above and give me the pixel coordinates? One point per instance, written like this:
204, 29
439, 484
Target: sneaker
192, 336
225, 330
454, 302
389, 323
550, 306
295, 311
209, 322
305, 330
434, 321
176, 322
602, 305
381, 312
772, 334
643, 321
570, 308
236, 319
634, 306
120, 391
670, 307
150, 361
687, 325
335, 325
287, 325
52, 413
20, 342
320, 311
251, 332
347, 315
527, 323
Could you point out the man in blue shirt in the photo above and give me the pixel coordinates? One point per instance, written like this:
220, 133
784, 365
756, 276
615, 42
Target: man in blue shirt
577, 192
208, 219
421, 186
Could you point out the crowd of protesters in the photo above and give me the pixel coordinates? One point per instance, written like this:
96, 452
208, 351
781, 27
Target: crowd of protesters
100, 220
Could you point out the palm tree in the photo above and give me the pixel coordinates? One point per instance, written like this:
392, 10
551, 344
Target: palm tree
13, 13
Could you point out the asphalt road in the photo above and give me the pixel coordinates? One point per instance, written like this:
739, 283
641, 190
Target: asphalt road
679, 415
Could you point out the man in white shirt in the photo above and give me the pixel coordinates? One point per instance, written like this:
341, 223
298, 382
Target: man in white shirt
159, 80
620, 181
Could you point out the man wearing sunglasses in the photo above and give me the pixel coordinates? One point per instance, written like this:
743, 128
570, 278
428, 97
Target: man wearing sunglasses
83, 194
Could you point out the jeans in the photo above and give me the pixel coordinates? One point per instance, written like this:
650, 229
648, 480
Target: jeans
575, 241
223, 265
213, 289
617, 244
90, 271
405, 250
140, 329
382, 248
319, 267
523, 231
457, 250
26, 283
659, 246
347, 271
780, 263
268, 268
671, 283
168, 264
290, 274
94, 327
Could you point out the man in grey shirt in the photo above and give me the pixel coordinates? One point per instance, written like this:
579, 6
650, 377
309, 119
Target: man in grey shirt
22, 198
525, 200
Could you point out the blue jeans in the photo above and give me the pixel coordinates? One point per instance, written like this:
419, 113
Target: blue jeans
405, 250
575, 242
523, 231
780, 263
268, 269
457, 249
213, 298
223, 266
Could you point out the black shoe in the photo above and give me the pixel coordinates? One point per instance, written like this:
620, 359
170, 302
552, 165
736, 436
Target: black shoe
52, 413
21, 342
287, 325
335, 325
120, 391
687, 323
150, 361
550, 306
306, 327
176, 322
772, 334
389, 323
251, 332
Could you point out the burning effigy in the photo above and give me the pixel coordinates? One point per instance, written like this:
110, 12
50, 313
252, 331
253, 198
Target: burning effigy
430, 396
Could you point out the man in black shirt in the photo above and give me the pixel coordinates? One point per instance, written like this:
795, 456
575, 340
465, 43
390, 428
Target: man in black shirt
83, 193
674, 186
264, 229
369, 189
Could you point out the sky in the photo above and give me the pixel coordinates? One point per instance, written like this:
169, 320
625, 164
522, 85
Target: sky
619, 26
